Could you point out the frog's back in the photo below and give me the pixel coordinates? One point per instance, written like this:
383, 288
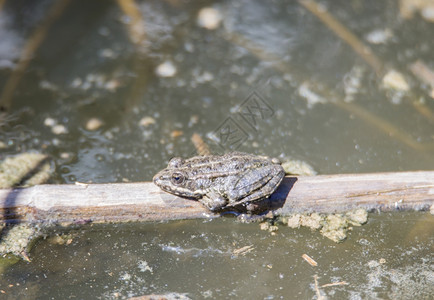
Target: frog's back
222, 165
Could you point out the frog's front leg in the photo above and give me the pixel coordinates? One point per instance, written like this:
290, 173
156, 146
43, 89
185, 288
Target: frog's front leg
213, 201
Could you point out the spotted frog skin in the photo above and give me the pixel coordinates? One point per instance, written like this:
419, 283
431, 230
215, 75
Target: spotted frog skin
223, 182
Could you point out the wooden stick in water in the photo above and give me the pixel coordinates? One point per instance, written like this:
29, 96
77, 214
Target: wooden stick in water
144, 201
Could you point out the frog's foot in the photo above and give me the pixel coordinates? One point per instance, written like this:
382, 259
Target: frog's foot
248, 218
252, 207
257, 206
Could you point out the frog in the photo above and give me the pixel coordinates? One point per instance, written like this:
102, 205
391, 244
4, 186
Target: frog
232, 181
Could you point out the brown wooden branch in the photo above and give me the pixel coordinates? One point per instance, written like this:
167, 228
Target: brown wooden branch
376, 191
119, 202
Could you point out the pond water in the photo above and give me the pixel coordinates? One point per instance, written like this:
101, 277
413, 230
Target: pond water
388, 258
111, 91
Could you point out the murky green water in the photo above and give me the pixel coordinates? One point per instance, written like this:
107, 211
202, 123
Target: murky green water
273, 76
388, 258
86, 68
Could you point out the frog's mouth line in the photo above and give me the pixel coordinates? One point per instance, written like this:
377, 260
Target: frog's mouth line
179, 191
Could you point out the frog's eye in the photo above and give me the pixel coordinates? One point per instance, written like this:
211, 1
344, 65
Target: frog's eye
177, 178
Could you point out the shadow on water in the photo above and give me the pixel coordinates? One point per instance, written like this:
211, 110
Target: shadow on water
279, 197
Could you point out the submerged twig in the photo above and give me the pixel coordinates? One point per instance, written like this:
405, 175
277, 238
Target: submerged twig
2, 2
423, 72
137, 34
201, 147
384, 126
28, 51
136, 25
362, 113
310, 260
342, 32
426, 75
317, 290
335, 284
243, 250
357, 45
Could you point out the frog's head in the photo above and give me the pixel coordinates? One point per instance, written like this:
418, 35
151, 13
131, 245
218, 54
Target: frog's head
175, 180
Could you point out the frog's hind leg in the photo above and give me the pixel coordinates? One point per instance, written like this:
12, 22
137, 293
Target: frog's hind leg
255, 186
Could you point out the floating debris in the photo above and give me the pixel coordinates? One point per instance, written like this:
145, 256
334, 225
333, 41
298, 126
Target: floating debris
313, 221
395, 80
209, 18
94, 124
60, 239
335, 283
408, 8
17, 239
25, 169
144, 266
56, 128
59, 129
335, 228
379, 36
269, 226
47, 85
332, 226
194, 252
22, 170
357, 217
353, 83
112, 85
166, 69
311, 97
298, 167
293, 221
146, 121
50, 122
176, 133
243, 250
310, 260
65, 155
428, 13
168, 296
